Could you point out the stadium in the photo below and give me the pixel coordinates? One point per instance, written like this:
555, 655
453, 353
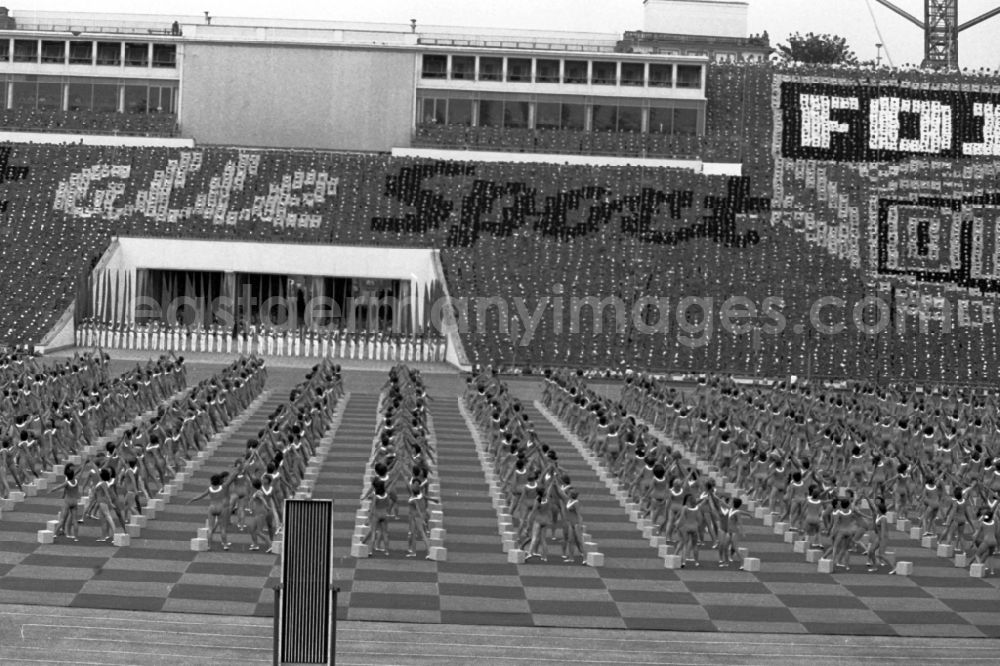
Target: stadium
633, 333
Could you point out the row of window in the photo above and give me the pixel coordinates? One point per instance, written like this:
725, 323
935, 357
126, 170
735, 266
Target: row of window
527, 114
559, 70
105, 95
86, 52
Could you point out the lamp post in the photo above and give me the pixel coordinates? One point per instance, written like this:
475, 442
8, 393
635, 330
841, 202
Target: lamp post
878, 56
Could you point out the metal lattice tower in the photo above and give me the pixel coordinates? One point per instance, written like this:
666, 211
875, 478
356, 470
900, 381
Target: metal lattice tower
941, 34
941, 28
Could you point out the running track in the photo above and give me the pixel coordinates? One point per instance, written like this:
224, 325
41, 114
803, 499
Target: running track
477, 586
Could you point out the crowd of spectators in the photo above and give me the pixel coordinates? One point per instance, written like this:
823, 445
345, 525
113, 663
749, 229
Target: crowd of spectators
88, 122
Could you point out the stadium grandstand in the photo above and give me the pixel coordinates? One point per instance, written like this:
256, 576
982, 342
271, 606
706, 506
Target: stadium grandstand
618, 295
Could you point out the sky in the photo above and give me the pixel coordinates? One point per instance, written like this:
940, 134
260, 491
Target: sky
850, 18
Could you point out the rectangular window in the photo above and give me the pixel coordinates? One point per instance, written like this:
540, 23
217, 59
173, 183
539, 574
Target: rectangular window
136, 55
25, 94
81, 96
519, 69
576, 71
25, 50
491, 69
434, 111
685, 121
661, 121
605, 118
661, 76
435, 66
109, 54
463, 67
515, 114
3, 96
689, 76
166, 101
490, 113
573, 116
548, 115
4, 51
165, 55
53, 53
605, 73
460, 112
633, 74
80, 53
546, 71
105, 97
629, 119
50, 96
136, 99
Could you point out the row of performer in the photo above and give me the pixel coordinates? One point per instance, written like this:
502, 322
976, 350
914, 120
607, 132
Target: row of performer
265, 341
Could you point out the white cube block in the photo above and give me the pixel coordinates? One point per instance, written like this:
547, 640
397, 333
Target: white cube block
945, 550
30, 489
759, 512
769, 519
751, 564
781, 528
199, 545
75, 460
665, 550
595, 559
916, 533
961, 560
139, 519
133, 531
743, 552
6, 505
155, 505
122, 539
515, 556
977, 570
438, 533
890, 517
790, 537
436, 543
647, 532
16, 496
46, 536
589, 547
359, 550
800, 546
439, 553
672, 562
929, 542
657, 541
276, 546
52, 525
903, 525
203, 533
904, 568
41, 484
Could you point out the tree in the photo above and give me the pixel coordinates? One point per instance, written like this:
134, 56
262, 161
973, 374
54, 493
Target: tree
817, 50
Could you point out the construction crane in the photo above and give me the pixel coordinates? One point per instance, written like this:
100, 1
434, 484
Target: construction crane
941, 28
